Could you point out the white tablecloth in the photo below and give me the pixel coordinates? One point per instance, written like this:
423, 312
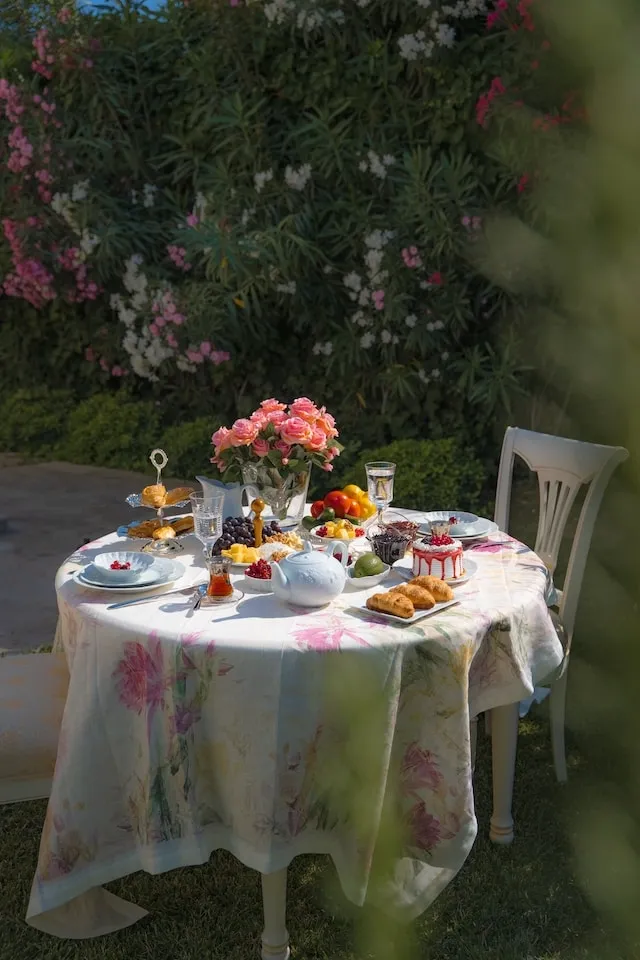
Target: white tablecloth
186, 734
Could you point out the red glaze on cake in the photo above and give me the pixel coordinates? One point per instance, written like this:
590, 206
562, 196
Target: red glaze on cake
438, 556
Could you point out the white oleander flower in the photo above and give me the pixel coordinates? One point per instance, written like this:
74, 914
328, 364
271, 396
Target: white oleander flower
289, 288
79, 191
364, 297
386, 336
367, 340
445, 35
352, 281
411, 320
88, 242
325, 349
262, 177
246, 215
134, 196
422, 376
149, 194
297, 179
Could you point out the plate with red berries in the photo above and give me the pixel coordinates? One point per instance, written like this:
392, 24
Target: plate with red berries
160, 572
257, 576
463, 526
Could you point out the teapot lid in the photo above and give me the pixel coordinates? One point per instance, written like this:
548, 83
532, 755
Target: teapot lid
306, 555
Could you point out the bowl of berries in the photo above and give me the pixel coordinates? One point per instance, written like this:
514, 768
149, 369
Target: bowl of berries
123, 567
257, 577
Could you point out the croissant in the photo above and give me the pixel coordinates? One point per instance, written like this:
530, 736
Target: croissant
175, 496
419, 597
440, 590
164, 533
395, 604
154, 495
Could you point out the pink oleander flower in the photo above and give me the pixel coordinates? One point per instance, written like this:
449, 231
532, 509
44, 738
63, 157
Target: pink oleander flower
522, 183
411, 257
90, 354
64, 15
205, 348
435, 279
260, 447
378, 299
219, 356
117, 371
154, 329
194, 356
193, 220
305, 409
494, 16
171, 341
295, 430
222, 439
318, 440
243, 433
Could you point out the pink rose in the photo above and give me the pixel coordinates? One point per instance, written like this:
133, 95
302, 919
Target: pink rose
222, 439
259, 417
284, 448
328, 424
260, 447
318, 440
333, 452
305, 409
295, 430
243, 433
328, 467
271, 405
276, 416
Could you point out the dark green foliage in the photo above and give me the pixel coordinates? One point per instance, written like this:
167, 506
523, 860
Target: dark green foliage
34, 421
112, 431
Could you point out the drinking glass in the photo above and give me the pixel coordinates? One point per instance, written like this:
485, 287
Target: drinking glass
220, 586
380, 474
207, 520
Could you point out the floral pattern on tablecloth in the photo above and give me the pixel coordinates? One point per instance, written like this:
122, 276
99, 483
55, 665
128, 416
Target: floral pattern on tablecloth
181, 736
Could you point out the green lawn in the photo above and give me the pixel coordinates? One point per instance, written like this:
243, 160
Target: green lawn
516, 903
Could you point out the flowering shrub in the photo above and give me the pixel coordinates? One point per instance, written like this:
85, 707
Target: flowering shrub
235, 211
280, 437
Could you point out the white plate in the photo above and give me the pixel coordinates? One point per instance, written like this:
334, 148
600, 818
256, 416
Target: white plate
153, 574
255, 585
405, 568
481, 528
418, 615
175, 571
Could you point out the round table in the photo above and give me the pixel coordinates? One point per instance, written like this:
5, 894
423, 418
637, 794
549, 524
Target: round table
271, 731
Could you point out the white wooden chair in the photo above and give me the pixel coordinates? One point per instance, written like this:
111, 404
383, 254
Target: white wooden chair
33, 690
563, 467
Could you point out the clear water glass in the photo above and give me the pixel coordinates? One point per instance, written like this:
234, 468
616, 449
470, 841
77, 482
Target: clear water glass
207, 519
380, 477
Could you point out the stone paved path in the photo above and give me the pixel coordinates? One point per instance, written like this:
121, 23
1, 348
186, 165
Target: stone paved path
50, 509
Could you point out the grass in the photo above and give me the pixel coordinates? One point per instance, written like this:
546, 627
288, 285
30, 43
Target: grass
518, 903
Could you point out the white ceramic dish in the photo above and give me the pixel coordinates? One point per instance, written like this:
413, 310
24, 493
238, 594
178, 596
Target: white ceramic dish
481, 527
255, 585
364, 583
418, 615
169, 574
139, 563
405, 568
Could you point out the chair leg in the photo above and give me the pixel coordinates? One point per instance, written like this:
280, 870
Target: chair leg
473, 728
504, 739
557, 702
275, 938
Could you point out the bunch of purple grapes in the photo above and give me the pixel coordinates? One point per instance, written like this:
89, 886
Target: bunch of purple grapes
240, 530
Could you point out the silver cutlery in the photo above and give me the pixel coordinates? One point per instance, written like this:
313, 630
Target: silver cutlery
157, 596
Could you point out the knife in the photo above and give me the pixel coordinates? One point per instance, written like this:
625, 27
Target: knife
157, 596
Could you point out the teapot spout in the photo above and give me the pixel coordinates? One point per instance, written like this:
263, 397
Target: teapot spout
280, 583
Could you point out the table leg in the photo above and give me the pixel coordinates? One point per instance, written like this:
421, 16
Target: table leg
504, 739
275, 938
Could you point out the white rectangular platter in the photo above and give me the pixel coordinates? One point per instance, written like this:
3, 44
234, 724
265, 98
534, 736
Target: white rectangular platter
418, 615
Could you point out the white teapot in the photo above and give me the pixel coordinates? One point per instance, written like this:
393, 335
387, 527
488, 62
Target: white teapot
311, 578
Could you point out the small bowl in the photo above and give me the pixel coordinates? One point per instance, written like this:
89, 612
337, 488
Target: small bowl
389, 547
363, 583
257, 585
139, 562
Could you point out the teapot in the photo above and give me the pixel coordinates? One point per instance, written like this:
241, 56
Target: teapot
311, 578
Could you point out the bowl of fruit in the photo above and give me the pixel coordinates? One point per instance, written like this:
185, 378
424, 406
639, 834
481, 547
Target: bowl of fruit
257, 577
341, 510
367, 571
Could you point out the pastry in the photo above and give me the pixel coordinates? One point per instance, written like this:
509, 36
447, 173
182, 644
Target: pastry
182, 524
393, 603
420, 598
177, 495
440, 590
165, 532
143, 530
154, 495
438, 555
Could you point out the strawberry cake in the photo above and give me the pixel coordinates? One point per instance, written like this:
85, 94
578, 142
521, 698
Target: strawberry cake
438, 555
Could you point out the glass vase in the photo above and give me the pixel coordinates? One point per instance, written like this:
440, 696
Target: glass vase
285, 494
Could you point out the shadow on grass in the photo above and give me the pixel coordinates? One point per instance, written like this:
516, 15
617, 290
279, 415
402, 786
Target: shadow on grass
518, 903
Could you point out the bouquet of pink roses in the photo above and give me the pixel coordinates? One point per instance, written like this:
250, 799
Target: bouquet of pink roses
277, 440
